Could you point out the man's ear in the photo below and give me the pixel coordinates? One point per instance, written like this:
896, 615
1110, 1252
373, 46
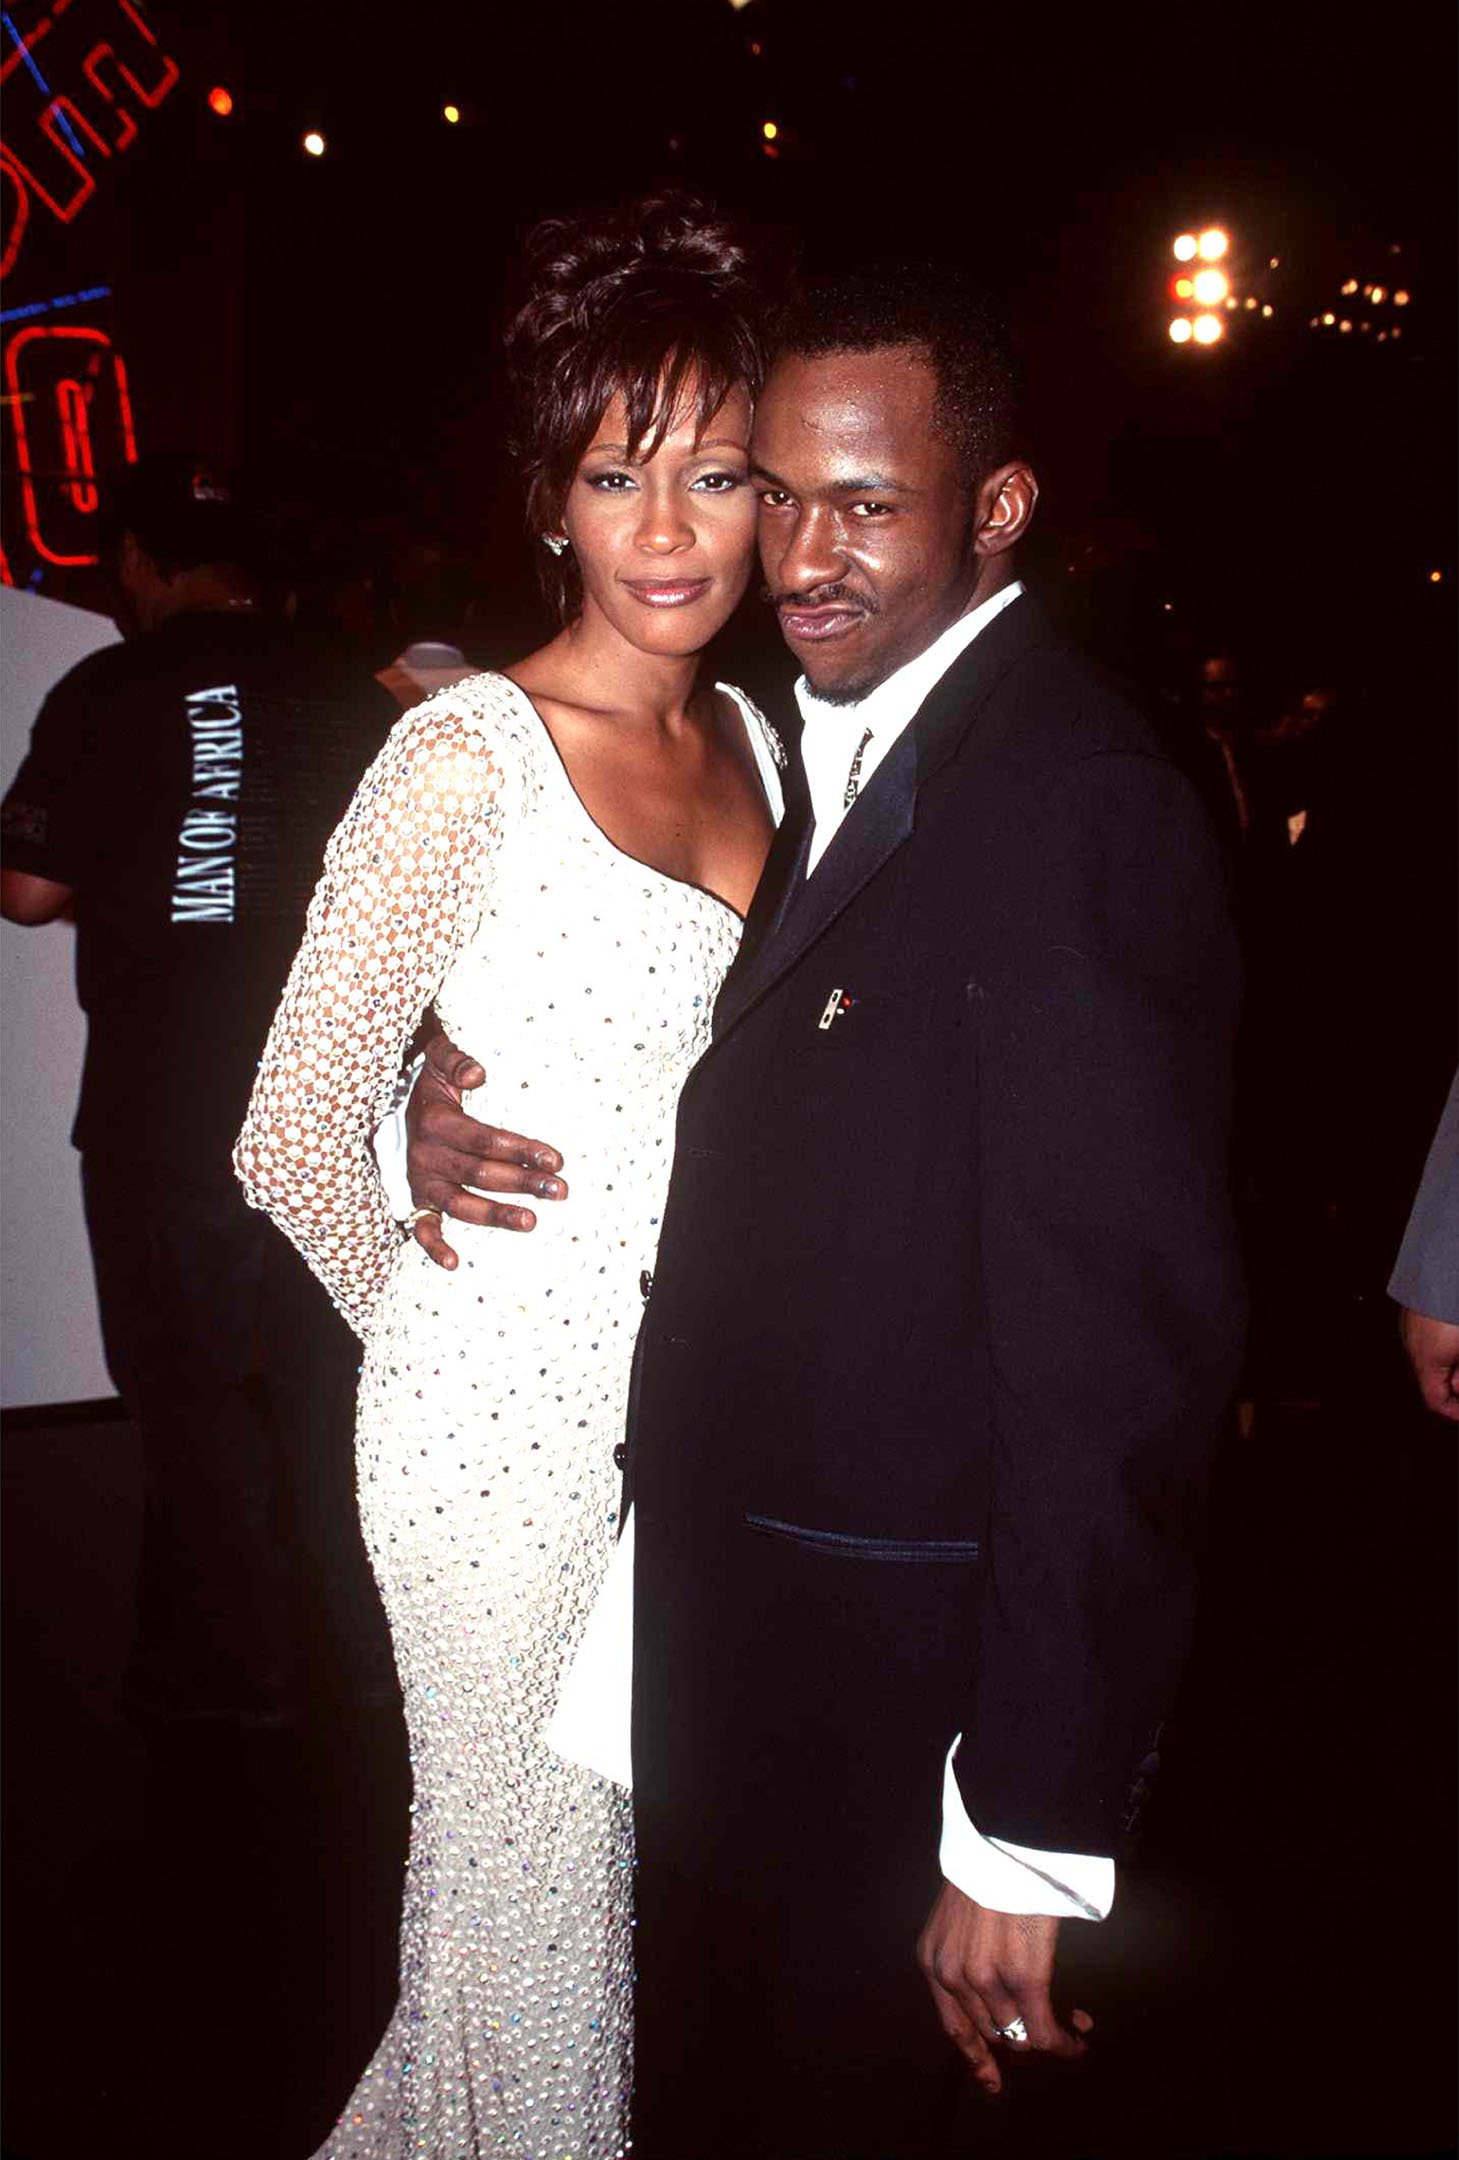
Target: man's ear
1005, 505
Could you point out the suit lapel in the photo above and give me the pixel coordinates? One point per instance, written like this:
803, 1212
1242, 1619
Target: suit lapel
796, 909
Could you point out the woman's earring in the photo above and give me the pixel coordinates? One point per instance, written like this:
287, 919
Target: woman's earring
556, 541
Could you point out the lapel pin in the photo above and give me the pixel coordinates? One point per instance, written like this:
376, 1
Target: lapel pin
840, 1001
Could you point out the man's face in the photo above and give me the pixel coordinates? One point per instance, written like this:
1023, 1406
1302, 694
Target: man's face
866, 521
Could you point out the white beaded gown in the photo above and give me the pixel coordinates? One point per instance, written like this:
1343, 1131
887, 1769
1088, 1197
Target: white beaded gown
468, 873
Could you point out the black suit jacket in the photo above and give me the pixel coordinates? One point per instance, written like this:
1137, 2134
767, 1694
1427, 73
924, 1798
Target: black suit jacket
947, 1303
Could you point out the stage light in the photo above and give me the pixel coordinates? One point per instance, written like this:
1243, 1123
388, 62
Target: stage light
1207, 329
221, 101
1400, 299
769, 131
450, 114
1211, 287
1185, 247
314, 143
1213, 244
1180, 330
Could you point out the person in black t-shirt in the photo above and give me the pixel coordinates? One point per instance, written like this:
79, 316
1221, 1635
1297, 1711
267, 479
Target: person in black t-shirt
176, 800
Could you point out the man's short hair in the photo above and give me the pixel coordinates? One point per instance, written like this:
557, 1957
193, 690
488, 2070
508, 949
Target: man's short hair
183, 510
950, 318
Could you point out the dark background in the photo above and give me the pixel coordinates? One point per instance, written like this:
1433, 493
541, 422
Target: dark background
199, 1965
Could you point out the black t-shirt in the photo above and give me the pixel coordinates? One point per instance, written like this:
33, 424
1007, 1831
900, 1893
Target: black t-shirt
185, 783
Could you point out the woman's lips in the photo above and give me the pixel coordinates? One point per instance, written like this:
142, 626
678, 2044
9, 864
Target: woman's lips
667, 592
819, 623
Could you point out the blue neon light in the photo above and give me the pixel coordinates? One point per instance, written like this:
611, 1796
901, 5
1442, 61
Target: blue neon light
50, 307
24, 50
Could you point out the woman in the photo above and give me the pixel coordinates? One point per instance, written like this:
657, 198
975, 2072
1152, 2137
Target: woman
558, 858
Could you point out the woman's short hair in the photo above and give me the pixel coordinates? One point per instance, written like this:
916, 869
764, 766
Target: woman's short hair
654, 302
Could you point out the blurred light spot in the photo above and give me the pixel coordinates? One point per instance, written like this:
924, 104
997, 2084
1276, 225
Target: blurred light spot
1436, 577
1180, 331
769, 131
1268, 309
314, 143
1185, 247
1380, 294
1400, 298
1207, 329
1213, 244
1351, 285
1211, 287
1328, 321
221, 101
450, 114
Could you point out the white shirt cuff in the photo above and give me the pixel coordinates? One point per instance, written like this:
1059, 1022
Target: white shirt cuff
1017, 1878
389, 1146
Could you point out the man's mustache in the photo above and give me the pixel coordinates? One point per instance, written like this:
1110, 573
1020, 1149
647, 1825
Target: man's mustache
819, 596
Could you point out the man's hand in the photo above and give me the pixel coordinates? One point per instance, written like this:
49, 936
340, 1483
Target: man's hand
448, 1153
1433, 1352
987, 1968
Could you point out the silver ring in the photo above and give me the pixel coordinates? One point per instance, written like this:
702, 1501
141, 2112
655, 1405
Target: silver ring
419, 1215
1016, 2031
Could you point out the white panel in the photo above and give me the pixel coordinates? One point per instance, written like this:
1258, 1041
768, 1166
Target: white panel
50, 1348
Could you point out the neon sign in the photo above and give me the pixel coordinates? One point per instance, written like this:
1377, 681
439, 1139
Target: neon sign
71, 411
51, 152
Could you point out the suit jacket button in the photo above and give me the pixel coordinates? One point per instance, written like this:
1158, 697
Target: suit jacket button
620, 1456
645, 1285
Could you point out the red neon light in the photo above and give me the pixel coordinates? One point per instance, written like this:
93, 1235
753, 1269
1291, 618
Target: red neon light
72, 405
5, 577
31, 39
221, 101
18, 214
106, 75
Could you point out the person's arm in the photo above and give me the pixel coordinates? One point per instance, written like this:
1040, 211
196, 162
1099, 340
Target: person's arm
402, 889
1425, 1280
44, 836
32, 900
454, 1162
1114, 1311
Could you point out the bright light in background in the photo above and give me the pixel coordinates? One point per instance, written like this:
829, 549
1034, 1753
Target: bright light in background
314, 143
1184, 289
1180, 331
1185, 247
1436, 577
1250, 303
1400, 299
1328, 321
1351, 285
1268, 309
769, 131
1207, 328
450, 114
1275, 263
1379, 295
1210, 287
221, 101
1213, 244
1345, 325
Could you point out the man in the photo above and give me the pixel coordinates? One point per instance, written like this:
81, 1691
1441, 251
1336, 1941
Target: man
1425, 1279
176, 799
946, 1307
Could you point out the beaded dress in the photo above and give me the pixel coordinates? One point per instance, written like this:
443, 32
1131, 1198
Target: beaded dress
468, 873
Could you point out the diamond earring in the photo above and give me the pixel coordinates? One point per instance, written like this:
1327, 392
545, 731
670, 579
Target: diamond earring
556, 541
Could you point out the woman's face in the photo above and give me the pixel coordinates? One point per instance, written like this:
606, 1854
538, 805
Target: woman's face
664, 543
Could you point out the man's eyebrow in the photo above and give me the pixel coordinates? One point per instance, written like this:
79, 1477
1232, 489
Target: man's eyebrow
859, 484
